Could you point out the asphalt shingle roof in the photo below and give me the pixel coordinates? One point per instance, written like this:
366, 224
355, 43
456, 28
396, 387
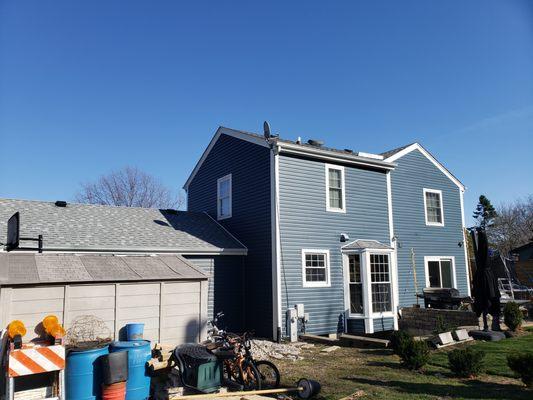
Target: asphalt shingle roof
84, 227
24, 268
392, 152
366, 244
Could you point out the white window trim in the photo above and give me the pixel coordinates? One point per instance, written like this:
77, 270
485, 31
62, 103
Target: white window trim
439, 192
346, 264
427, 259
343, 188
316, 284
227, 177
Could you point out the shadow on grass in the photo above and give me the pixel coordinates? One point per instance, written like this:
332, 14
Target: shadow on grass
377, 352
468, 389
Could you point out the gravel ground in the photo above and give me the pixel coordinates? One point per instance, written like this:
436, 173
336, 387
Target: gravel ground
264, 349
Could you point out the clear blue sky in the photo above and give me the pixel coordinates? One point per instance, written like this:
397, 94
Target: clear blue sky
91, 86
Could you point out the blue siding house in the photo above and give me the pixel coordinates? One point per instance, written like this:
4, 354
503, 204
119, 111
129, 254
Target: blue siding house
334, 230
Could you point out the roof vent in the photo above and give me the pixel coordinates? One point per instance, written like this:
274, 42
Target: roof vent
315, 142
60, 203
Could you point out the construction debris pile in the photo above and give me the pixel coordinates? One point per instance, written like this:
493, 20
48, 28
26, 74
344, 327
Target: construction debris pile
264, 349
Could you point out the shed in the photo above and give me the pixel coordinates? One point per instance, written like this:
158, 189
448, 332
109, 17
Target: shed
123, 264
165, 292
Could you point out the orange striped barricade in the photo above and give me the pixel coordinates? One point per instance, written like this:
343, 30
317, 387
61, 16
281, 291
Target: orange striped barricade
36, 359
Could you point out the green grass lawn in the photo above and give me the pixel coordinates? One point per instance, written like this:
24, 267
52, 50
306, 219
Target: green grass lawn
495, 354
377, 374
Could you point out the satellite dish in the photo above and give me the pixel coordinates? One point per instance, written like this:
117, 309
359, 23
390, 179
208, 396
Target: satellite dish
13, 232
266, 129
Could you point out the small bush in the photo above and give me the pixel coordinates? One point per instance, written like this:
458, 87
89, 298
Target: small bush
466, 362
522, 365
512, 316
442, 326
416, 354
399, 341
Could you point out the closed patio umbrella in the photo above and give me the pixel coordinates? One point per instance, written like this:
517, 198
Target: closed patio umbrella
485, 287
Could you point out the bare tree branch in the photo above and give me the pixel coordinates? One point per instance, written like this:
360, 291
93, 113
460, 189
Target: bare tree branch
513, 225
129, 187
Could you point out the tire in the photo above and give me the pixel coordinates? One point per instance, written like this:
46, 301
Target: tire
269, 374
253, 380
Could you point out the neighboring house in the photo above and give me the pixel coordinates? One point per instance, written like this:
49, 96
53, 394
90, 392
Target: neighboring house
331, 229
523, 263
120, 264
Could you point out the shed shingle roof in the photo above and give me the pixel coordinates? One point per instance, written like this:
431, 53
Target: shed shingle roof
84, 227
24, 268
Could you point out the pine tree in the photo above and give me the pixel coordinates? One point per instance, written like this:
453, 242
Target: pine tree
484, 213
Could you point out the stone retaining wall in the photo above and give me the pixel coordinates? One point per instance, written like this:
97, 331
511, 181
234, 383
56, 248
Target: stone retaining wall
422, 321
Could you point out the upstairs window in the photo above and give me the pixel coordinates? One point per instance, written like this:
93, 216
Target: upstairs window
335, 197
315, 268
433, 207
224, 197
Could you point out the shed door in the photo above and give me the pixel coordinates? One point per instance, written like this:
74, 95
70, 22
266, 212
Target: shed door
180, 312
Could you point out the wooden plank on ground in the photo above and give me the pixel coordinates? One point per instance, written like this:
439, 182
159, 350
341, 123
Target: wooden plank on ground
320, 339
369, 341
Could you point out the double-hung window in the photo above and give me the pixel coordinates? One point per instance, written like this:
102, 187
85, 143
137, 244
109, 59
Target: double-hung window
315, 268
433, 207
380, 283
355, 284
335, 196
224, 197
439, 272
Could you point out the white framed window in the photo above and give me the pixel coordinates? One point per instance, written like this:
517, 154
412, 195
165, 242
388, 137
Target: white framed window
224, 197
315, 268
440, 272
335, 189
355, 284
381, 285
433, 207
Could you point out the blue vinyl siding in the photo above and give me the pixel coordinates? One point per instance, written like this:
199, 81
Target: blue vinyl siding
305, 224
383, 324
223, 292
249, 165
414, 173
355, 325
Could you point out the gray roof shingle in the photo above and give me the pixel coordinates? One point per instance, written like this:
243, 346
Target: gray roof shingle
24, 268
366, 244
84, 227
392, 152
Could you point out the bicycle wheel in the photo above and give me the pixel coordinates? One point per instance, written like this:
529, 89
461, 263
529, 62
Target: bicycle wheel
268, 373
250, 378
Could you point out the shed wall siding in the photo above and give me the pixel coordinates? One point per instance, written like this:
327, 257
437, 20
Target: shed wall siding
225, 292
305, 224
250, 222
171, 311
414, 173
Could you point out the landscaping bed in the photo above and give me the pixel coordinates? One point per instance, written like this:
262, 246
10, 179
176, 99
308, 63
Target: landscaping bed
377, 374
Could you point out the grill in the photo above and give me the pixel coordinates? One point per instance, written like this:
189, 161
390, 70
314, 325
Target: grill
444, 299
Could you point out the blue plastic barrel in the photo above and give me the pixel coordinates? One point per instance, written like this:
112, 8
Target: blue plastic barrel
139, 352
134, 331
83, 374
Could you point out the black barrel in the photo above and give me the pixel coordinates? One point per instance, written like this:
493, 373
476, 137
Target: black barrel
115, 367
